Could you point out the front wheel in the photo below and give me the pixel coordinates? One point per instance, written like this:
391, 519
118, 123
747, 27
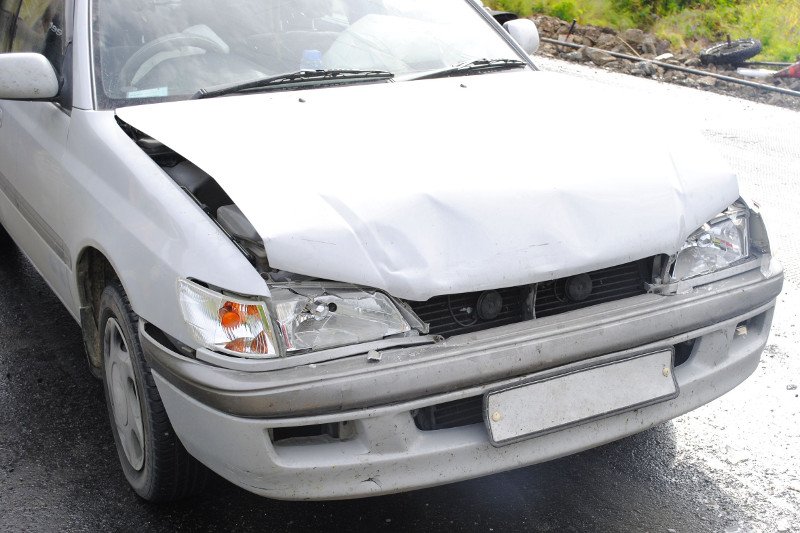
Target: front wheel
5, 238
154, 461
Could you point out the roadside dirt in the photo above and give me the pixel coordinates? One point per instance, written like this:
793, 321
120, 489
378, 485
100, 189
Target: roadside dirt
648, 47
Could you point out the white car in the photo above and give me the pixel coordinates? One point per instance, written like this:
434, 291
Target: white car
339, 248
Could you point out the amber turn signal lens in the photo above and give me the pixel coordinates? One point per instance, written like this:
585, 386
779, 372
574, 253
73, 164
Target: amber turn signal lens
230, 319
258, 345
237, 345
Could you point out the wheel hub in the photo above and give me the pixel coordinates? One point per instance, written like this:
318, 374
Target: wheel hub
123, 394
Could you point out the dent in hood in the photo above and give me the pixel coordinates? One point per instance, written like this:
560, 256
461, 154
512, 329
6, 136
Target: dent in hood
423, 188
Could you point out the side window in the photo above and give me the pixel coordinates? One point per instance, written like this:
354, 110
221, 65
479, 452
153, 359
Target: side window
40, 29
8, 14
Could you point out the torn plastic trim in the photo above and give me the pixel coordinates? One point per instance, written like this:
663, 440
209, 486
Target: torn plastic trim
682, 287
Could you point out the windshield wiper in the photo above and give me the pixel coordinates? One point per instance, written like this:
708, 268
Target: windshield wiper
337, 76
477, 66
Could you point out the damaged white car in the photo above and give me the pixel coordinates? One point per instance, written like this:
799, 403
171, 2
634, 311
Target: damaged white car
296, 264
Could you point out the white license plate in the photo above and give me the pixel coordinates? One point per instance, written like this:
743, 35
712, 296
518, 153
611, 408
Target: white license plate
560, 401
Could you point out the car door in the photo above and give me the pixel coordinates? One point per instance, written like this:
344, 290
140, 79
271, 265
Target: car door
33, 138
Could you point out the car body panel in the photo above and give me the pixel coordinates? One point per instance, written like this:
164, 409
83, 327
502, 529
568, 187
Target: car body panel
32, 186
457, 217
149, 229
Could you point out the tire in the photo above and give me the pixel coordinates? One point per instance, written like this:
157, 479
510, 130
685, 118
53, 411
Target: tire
5, 238
733, 53
154, 461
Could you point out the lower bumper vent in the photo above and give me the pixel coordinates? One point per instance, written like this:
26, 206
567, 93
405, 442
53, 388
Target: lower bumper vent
450, 415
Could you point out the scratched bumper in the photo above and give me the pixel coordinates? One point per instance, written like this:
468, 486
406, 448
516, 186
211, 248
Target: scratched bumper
229, 423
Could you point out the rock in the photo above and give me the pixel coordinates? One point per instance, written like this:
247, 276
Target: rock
577, 55
644, 68
633, 36
548, 49
664, 57
593, 33
598, 57
579, 39
707, 81
549, 25
607, 42
791, 386
649, 46
693, 62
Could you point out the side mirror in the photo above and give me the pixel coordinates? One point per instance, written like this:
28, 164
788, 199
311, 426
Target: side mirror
525, 33
25, 76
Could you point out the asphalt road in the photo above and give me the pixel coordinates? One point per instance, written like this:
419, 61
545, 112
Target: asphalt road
732, 465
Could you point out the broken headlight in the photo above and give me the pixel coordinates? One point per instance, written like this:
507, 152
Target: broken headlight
228, 324
718, 244
313, 316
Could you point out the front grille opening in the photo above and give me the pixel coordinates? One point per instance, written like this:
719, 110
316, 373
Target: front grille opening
751, 326
683, 351
313, 434
458, 413
457, 314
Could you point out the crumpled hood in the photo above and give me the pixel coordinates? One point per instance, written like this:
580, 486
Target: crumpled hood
453, 185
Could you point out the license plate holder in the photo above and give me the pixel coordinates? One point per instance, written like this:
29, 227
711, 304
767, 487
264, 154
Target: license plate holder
558, 401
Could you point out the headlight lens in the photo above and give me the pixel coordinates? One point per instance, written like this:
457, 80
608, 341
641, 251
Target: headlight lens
231, 325
316, 317
719, 244
306, 317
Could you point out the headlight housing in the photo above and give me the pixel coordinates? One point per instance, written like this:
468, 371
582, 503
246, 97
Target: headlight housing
313, 316
718, 244
298, 318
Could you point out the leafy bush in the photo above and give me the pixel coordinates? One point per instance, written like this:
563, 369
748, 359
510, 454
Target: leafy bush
686, 23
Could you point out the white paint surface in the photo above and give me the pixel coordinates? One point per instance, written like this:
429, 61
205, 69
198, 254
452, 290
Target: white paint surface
25, 76
426, 188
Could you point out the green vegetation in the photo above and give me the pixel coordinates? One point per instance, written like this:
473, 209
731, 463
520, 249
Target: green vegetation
685, 23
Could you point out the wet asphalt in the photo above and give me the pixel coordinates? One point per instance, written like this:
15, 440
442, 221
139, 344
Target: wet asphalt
733, 465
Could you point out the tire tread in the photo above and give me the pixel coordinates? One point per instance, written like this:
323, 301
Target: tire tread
173, 473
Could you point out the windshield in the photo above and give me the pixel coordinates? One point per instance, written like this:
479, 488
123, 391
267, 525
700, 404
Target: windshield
153, 50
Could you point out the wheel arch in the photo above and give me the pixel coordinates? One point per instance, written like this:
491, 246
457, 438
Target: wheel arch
94, 271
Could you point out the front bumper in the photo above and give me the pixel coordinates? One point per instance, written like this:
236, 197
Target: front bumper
227, 418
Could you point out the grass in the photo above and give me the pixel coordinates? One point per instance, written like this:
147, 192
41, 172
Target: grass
685, 23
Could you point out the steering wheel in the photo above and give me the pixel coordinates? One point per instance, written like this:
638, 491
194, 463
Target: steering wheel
173, 41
